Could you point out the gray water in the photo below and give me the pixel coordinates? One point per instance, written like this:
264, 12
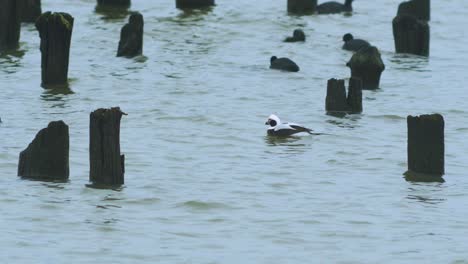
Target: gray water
203, 183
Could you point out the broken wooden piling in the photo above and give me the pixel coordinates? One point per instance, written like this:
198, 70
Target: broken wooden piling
411, 35
302, 7
131, 37
106, 162
46, 157
366, 64
10, 24
194, 4
55, 31
30, 10
337, 101
421, 9
426, 148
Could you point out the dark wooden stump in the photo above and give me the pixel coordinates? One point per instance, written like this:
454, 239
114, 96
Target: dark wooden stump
336, 96
411, 35
10, 24
106, 162
46, 158
192, 4
55, 31
30, 10
131, 37
355, 95
367, 65
426, 145
421, 9
302, 7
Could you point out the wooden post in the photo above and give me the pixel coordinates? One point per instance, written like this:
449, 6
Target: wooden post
55, 31
302, 7
131, 37
411, 35
426, 145
106, 162
30, 10
192, 4
367, 65
421, 9
115, 3
46, 158
336, 96
10, 24
355, 95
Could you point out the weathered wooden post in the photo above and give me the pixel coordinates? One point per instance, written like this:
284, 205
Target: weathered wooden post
131, 37
426, 146
10, 24
30, 10
46, 158
337, 101
302, 7
193, 4
421, 9
366, 64
336, 96
354, 95
114, 3
411, 35
106, 162
55, 31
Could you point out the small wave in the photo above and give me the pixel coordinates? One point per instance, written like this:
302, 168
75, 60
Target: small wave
198, 205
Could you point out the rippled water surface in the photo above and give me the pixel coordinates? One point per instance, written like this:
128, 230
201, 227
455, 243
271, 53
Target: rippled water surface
203, 183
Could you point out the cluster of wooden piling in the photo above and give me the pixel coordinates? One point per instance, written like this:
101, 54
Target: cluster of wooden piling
47, 157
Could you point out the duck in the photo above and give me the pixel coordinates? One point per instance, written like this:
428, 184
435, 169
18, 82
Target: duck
298, 35
353, 44
335, 7
278, 129
283, 64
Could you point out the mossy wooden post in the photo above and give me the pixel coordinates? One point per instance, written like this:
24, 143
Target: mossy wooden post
191, 4
131, 37
46, 158
30, 10
10, 24
411, 35
354, 95
55, 31
336, 96
106, 162
302, 7
426, 145
367, 65
421, 9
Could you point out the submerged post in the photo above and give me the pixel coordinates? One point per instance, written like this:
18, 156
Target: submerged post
421, 9
336, 96
302, 7
192, 4
131, 37
411, 35
30, 10
106, 162
10, 24
426, 145
46, 157
367, 65
354, 95
55, 31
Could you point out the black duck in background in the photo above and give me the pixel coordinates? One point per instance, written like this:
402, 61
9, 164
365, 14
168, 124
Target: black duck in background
353, 44
335, 7
283, 64
298, 35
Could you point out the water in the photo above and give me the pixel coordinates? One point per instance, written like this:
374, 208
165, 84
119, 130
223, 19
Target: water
203, 183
